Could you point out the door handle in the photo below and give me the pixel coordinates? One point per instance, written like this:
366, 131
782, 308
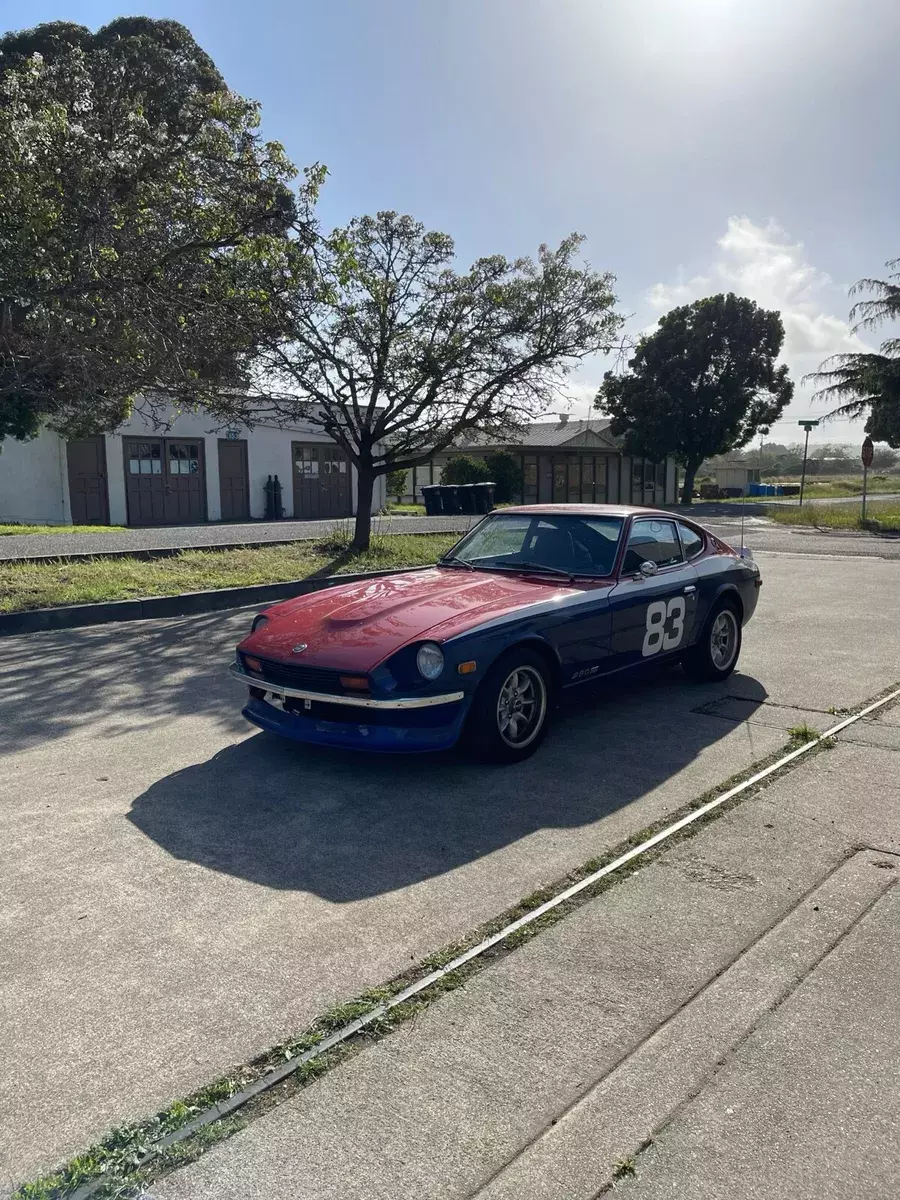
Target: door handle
689, 590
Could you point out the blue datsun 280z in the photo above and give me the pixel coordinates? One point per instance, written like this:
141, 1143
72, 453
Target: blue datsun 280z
531, 602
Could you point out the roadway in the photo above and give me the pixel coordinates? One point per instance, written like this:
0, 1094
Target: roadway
186, 892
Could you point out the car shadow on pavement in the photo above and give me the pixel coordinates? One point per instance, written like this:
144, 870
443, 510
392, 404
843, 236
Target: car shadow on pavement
345, 826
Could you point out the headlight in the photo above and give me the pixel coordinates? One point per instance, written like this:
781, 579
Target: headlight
259, 622
430, 660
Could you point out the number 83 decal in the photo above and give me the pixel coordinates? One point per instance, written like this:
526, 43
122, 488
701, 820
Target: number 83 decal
661, 614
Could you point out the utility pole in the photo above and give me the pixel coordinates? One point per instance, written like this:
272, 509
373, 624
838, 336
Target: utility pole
868, 453
807, 425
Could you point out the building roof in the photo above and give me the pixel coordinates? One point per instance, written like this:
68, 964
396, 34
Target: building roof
548, 434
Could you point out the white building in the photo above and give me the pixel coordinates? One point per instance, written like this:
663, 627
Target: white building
189, 474
734, 477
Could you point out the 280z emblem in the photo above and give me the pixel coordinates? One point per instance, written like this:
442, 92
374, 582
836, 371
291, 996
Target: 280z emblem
299, 648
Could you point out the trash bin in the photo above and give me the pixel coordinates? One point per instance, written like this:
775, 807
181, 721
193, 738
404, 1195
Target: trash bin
449, 496
466, 495
484, 497
431, 494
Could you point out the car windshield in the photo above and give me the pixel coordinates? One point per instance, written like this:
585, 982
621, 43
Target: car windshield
568, 545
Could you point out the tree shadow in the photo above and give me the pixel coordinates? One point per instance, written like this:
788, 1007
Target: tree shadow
346, 826
115, 679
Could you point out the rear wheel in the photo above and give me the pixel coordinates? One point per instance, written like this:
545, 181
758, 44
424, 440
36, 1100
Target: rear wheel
716, 652
509, 715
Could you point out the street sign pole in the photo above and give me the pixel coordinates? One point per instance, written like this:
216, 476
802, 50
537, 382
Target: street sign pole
868, 453
807, 425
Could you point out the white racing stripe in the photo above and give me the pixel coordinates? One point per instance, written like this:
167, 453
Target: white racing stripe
347, 1031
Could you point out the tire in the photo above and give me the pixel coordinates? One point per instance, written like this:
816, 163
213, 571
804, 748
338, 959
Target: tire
511, 710
716, 652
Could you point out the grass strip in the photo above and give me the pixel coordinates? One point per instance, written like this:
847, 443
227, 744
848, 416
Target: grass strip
12, 529
881, 516
131, 1157
26, 586
832, 487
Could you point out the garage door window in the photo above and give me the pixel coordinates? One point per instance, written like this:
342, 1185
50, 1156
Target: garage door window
306, 461
145, 459
184, 459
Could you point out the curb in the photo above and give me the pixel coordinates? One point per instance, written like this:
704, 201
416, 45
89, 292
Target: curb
70, 616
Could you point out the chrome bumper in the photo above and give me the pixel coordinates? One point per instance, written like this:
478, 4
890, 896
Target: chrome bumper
279, 689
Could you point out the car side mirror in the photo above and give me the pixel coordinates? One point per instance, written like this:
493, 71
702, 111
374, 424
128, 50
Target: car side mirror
647, 569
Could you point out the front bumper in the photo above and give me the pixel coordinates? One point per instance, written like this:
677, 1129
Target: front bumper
411, 725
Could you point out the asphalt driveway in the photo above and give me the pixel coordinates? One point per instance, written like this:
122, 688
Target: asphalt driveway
185, 892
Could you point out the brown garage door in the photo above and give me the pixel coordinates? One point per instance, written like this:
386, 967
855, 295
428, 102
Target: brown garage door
88, 496
234, 488
321, 481
165, 481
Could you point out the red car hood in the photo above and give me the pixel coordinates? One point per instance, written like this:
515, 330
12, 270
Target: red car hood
355, 626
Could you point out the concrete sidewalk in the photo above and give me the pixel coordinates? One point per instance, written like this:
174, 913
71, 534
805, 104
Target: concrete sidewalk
722, 1023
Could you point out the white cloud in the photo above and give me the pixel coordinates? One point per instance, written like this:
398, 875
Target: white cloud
761, 261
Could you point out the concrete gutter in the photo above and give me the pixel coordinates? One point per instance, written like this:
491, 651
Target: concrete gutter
187, 604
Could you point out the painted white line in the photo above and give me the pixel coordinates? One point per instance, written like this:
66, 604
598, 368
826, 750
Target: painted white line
379, 1010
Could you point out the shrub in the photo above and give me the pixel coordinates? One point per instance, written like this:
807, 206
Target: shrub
396, 485
461, 468
505, 471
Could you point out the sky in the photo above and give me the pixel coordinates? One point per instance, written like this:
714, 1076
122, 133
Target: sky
700, 145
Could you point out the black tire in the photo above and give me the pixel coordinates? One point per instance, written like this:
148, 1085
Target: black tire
524, 703
716, 652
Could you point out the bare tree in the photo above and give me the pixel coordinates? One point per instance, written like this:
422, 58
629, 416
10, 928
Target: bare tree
395, 354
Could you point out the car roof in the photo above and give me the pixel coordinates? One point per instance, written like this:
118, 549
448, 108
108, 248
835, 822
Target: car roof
585, 510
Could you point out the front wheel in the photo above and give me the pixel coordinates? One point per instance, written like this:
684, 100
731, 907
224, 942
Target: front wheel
509, 715
716, 652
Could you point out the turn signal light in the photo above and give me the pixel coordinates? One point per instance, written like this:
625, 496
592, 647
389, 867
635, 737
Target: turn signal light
359, 682
467, 668
252, 664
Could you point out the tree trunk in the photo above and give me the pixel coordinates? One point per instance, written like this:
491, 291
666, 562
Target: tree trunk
687, 490
365, 488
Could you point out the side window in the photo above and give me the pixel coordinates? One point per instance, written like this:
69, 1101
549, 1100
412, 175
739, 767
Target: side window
651, 541
690, 540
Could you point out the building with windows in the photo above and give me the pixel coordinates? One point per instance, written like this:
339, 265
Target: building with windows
567, 462
187, 474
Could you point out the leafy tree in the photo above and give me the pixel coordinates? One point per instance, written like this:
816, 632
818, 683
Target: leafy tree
396, 485
868, 383
505, 470
704, 382
883, 458
142, 221
461, 468
399, 354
